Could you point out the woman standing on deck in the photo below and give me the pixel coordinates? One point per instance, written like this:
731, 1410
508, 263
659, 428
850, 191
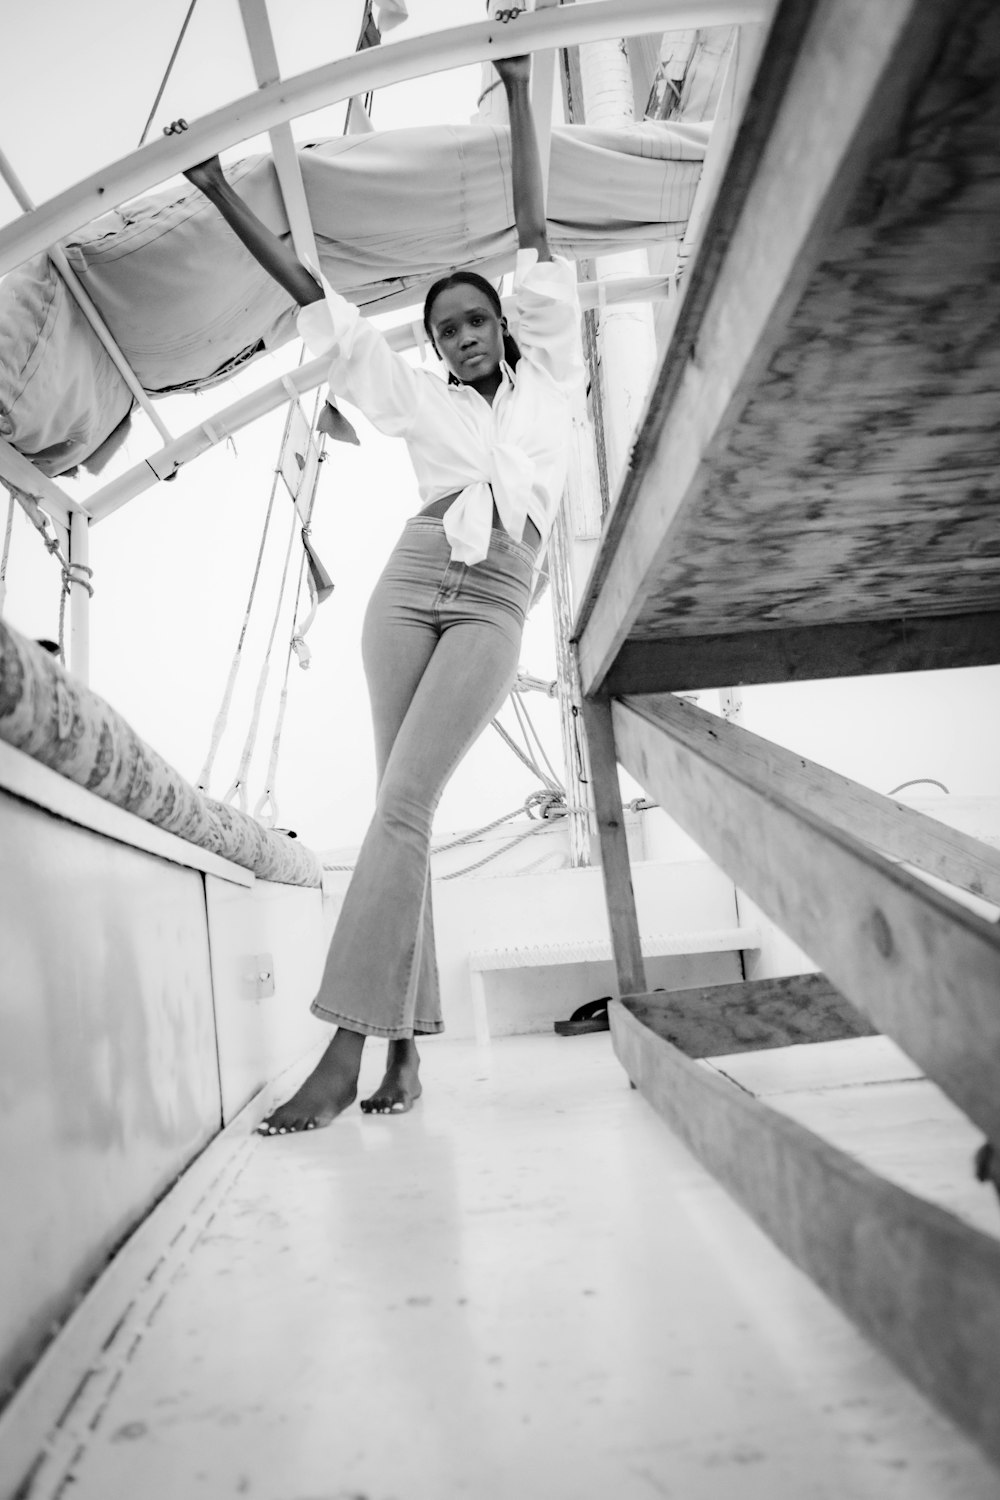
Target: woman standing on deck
443, 628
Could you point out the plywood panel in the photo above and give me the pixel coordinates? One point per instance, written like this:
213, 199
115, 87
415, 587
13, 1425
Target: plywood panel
822, 443
922, 1285
716, 1020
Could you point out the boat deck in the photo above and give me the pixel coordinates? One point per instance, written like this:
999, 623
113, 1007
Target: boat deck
527, 1287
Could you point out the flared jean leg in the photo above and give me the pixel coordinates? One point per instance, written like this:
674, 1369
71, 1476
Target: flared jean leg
371, 979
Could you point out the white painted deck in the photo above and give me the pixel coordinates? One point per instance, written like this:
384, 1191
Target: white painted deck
525, 1290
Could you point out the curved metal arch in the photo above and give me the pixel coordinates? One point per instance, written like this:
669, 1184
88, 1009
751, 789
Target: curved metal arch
287, 99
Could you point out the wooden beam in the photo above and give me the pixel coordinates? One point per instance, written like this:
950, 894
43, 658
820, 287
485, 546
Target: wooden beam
834, 81
899, 832
615, 869
716, 1020
918, 1282
926, 970
798, 653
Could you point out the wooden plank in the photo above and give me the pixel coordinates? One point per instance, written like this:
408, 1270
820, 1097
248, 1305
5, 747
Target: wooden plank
858, 480
925, 970
615, 869
716, 1020
798, 653
900, 832
834, 82
919, 1283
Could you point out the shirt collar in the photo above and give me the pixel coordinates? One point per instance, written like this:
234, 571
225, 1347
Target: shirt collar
509, 380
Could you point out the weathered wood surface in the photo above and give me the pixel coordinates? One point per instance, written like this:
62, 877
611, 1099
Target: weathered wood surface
716, 1020
923, 968
822, 442
798, 653
623, 919
918, 1282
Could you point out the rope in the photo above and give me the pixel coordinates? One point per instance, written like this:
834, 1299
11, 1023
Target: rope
6, 549
525, 760
917, 781
296, 642
525, 719
73, 574
268, 796
526, 683
548, 803
170, 68
222, 717
496, 853
237, 787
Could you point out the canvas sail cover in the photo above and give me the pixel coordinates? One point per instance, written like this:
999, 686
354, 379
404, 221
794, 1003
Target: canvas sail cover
391, 211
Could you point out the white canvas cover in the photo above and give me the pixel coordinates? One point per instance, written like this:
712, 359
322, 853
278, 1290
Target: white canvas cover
391, 212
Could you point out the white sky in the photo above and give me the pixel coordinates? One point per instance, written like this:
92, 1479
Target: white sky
173, 568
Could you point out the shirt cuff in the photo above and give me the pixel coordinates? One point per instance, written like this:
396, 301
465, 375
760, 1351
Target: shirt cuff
555, 278
331, 323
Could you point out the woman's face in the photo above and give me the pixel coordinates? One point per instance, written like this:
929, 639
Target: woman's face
468, 333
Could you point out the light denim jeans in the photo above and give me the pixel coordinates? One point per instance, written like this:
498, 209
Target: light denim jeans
440, 644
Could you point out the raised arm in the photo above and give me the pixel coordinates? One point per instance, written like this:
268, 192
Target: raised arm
526, 168
277, 258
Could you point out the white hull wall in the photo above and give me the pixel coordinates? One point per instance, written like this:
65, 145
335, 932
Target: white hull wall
108, 1073
129, 1032
567, 906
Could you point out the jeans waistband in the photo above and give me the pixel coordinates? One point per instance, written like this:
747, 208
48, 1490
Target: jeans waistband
502, 540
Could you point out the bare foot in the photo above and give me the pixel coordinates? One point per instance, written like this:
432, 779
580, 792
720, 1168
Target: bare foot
326, 1093
400, 1088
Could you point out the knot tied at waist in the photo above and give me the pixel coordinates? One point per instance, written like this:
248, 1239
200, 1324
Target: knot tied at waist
468, 521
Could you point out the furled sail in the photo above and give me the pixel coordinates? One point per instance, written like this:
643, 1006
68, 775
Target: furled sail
391, 212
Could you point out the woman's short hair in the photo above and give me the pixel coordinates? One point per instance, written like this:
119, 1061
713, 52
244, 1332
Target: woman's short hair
511, 352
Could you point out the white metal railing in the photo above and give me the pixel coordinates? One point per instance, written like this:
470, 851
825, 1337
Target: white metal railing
223, 424
286, 99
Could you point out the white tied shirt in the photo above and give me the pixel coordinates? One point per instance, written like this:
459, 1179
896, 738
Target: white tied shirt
512, 453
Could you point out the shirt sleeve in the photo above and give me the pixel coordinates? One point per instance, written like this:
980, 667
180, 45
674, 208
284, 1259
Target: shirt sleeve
363, 367
547, 308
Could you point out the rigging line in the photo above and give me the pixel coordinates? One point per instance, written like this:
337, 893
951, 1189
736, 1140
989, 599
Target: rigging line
496, 853
6, 549
549, 777
222, 717
237, 787
521, 708
166, 76
72, 573
268, 795
464, 838
513, 746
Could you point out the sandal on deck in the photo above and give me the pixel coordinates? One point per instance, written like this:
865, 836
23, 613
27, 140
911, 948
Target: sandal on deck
590, 1017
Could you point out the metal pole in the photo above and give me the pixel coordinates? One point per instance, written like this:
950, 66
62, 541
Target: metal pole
79, 597
626, 337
